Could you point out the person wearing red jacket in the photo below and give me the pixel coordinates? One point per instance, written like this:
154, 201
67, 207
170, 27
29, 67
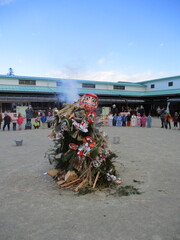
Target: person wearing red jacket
20, 121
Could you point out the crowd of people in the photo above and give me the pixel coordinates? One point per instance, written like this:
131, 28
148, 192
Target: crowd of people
18, 121
135, 118
138, 118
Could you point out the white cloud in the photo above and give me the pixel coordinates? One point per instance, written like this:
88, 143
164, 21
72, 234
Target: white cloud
101, 60
5, 2
109, 76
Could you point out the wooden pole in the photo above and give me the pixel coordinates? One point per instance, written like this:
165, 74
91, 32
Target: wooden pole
80, 185
90, 176
97, 176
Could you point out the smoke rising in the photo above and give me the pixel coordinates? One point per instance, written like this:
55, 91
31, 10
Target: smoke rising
68, 89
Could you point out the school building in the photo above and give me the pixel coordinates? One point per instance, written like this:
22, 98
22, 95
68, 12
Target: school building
16, 92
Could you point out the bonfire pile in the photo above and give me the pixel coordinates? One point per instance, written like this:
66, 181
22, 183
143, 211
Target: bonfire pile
81, 155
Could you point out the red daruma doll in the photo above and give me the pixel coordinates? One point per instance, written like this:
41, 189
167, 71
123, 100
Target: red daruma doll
89, 101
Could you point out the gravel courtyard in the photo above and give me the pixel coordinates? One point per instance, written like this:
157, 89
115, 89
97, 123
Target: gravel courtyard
33, 207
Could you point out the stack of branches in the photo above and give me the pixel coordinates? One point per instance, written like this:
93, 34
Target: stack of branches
81, 153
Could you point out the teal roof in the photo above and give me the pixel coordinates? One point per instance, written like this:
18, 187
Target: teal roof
29, 78
137, 84
23, 88
162, 92
15, 77
160, 79
38, 89
111, 92
111, 83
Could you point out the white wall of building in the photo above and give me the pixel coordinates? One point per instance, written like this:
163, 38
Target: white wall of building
134, 88
163, 84
45, 83
9, 81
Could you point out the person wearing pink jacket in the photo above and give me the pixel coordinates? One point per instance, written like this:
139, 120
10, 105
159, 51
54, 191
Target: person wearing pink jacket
143, 120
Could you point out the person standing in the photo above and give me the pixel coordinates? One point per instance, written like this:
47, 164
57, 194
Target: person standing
179, 120
168, 120
133, 120
141, 110
175, 120
1, 119
143, 120
128, 120
162, 117
149, 121
14, 121
7, 121
115, 114
49, 119
119, 120
29, 113
139, 120
124, 120
20, 121
110, 117
43, 120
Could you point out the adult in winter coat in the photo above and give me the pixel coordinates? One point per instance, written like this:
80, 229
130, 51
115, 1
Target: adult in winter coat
1, 119
7, 121
162, 117
29, 113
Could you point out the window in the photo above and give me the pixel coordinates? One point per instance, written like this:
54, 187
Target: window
58, 84
117, 87
152, 86
88, 85
27, 82
170, 84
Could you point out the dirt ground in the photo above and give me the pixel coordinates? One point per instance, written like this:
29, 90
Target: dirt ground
33, 207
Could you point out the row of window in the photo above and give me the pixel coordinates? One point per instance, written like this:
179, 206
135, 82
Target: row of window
170, 84
84, 85
90, 85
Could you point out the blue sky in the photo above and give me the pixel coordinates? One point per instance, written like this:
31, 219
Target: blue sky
109, 40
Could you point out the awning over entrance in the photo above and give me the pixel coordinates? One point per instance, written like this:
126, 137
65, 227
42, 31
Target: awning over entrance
115, 100
173, 100
28, 99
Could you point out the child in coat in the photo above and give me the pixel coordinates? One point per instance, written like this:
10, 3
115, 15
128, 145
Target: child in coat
149, 121
168, 120
133, 120
119, 120
175, 120
28, 125
143, 120
110, 118
49, 120
36, 123
124, 121
43, 120
139, 120
20, 121
14, 121
128, 120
